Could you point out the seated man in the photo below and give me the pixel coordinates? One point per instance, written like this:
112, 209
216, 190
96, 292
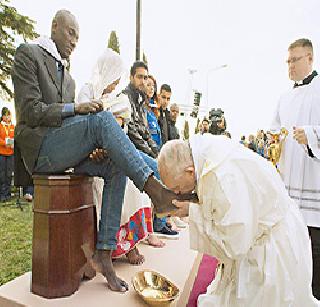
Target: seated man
53, 134
245, 218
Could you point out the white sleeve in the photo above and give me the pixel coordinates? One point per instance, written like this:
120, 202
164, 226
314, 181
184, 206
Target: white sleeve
276, 122
313, 136
225, 224
85, 94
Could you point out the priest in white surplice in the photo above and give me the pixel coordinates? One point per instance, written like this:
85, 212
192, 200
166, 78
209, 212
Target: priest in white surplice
245, 218
300, 107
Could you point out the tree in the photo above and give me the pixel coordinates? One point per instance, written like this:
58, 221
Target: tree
12, 26
113, 42
186, 130
144, 58
197, 130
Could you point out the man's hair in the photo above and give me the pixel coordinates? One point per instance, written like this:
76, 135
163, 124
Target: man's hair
5, 111
175, 156
137, 64
165, 87
205, 120
302, 42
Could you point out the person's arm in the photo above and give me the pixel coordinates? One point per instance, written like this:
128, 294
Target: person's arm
137, 139
28, 96
2, 141
309, 137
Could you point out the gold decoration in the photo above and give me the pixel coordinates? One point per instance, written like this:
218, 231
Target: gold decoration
276, 147
154, 288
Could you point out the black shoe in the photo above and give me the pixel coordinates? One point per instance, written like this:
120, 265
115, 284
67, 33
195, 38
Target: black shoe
168, 233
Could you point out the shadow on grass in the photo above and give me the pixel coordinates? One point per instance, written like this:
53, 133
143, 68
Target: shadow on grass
15, 240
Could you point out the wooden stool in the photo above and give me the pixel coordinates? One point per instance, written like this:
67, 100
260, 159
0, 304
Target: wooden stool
64, 220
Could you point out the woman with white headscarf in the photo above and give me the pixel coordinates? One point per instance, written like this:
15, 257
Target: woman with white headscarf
136, 218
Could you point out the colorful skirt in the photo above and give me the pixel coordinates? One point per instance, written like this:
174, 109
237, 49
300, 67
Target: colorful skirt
132, 232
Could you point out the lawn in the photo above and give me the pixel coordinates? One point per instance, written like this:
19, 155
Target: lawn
15, 240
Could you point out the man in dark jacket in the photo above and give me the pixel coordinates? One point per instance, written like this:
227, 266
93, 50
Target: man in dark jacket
164, 100
172, 128
138, 131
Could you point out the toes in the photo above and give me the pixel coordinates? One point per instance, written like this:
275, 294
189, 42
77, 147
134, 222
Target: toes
118, 285
124, 284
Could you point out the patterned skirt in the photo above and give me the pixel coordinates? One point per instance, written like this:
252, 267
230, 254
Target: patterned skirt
132, 232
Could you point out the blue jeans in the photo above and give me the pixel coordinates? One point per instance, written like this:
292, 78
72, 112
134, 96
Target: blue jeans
158, 223
70, 146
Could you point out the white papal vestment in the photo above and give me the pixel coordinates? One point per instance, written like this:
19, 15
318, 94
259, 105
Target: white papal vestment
247, 220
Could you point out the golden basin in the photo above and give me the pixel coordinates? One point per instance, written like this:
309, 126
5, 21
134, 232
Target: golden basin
154, 288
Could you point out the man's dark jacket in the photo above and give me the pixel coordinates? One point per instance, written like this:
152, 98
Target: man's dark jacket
164, 125
39, 100
138, 131
173, 132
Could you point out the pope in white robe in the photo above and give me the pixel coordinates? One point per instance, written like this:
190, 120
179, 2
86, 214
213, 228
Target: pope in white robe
245, 218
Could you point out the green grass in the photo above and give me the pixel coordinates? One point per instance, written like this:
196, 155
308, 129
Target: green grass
15, 240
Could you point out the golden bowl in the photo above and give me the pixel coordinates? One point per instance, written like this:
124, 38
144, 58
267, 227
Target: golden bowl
154, 288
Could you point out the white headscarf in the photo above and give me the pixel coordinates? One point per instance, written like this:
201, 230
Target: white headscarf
108, 69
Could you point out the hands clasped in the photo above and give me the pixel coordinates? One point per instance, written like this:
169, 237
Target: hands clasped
93, 106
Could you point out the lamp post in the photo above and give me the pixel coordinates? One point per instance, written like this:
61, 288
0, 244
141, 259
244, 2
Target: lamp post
138, 30
191, 71
208, 74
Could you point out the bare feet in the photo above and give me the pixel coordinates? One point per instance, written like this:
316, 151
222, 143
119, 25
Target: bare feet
134, 257
155, 241
160, 196
102, 263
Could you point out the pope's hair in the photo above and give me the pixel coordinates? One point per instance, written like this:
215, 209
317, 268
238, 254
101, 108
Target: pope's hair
175, 156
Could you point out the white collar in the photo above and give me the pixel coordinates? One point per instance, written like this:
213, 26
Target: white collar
49, 45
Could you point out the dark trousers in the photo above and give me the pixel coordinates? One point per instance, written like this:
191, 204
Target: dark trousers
315, 242
6, 169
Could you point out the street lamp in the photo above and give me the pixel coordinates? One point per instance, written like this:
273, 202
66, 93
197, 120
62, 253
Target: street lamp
208, 74
191, 71
138, 29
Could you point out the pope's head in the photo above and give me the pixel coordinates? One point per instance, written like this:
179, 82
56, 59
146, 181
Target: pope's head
176, 167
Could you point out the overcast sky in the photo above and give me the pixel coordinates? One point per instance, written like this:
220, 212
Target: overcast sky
250, 36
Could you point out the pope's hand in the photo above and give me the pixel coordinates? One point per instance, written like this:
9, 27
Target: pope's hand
183, 208
300, 136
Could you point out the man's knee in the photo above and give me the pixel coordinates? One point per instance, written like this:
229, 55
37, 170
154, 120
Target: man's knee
105, 116
110, 170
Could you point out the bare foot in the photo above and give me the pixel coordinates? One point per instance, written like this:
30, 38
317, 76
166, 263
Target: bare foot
162, 198
102, 263
134, 257
155, 241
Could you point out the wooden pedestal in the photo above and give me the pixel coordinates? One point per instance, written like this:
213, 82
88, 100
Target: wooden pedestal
64, 220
